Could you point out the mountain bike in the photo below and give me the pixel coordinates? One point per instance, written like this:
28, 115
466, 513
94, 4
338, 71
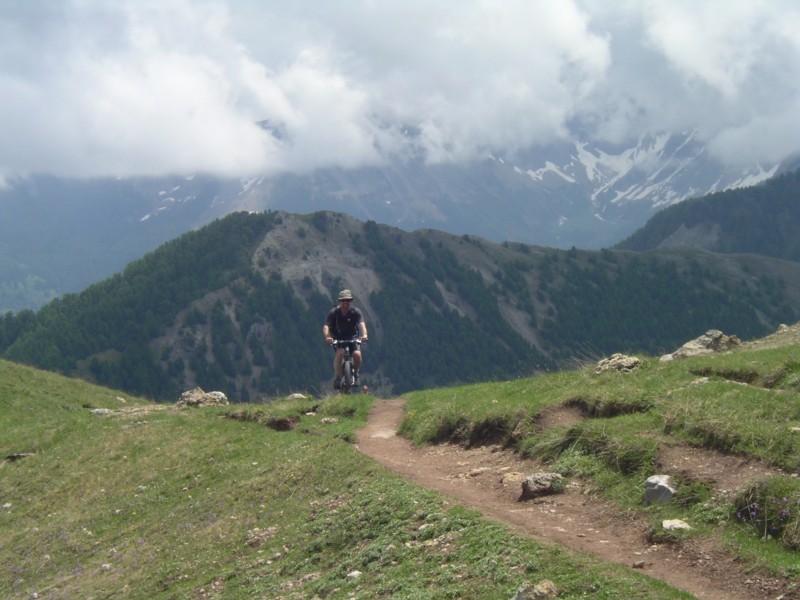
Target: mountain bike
348, 380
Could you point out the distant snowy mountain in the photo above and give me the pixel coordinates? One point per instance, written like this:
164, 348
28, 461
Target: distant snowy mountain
561, 195
59, 236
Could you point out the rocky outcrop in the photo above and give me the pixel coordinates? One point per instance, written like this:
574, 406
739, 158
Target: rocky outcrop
198, 398
711, 341
618, 362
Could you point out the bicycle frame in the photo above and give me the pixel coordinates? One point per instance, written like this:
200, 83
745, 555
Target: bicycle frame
348, 380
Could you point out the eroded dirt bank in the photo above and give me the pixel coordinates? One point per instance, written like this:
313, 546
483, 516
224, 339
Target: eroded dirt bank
488, 479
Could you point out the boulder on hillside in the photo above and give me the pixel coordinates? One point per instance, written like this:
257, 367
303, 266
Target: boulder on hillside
711, 341
197, 397
618, 362
541, 484
658, 489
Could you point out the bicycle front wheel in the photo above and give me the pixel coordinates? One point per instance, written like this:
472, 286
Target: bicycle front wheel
347, 377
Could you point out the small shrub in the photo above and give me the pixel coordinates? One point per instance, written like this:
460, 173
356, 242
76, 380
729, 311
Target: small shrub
772, 508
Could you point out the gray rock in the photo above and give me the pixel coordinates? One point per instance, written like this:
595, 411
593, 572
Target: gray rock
618, 362
658, 490
197, 397
541, 484
711, 341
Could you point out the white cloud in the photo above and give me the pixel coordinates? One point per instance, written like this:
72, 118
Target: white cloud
91, 88
718, 42
114, 93
742, 60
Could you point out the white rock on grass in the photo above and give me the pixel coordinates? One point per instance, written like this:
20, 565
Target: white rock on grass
675, 525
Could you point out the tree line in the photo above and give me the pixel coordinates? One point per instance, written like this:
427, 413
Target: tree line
762, 219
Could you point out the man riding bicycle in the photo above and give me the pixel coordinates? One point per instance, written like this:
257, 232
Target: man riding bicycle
345, 322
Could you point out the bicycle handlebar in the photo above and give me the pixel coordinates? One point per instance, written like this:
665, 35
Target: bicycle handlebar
342, 342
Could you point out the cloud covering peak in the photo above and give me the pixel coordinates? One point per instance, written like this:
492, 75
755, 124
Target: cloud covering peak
239, 87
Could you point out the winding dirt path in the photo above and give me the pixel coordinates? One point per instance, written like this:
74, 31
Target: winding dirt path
489, 478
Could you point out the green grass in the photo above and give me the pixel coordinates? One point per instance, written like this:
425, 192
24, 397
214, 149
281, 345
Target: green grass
159, 503
744, 403
273, 501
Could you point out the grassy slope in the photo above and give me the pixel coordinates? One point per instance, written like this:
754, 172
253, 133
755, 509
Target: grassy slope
744, 403
700, 401
155, 502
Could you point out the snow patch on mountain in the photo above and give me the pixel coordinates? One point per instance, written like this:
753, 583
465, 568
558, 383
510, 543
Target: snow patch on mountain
659, 170
567, 193
549, 167
249, 184
757, 176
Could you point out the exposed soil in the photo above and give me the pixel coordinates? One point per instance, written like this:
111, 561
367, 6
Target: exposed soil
488, 479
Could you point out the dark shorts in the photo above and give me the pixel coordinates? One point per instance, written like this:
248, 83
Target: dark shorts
353, 345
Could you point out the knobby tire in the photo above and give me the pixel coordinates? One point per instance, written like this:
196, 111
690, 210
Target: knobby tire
347, 377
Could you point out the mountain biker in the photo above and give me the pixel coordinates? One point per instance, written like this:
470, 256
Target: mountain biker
345, 322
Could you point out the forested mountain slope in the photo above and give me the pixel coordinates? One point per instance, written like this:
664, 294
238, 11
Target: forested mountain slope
238, 306
763, 219
60, 235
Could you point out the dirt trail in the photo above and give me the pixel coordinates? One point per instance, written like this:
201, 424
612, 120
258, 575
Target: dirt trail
489, 479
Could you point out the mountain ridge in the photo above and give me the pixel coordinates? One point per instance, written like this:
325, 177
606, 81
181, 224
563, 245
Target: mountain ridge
238, 306
761, 219
61, 235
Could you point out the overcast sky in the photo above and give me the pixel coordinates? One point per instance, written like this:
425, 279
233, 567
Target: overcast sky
138, 87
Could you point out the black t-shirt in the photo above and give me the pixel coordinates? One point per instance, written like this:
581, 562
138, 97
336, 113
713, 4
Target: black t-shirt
344, 326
